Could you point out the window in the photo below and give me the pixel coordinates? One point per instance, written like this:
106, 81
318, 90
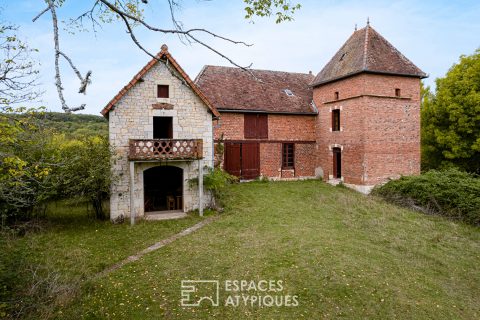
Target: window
162, 128
255, 126
288, 92
162, 91
336, 120
288, 156
397, 92
336, 95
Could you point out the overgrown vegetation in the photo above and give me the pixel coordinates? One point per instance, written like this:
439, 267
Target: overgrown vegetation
451, 193
216, 181
39, 163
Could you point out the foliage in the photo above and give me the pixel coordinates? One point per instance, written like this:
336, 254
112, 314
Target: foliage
282, 9
85, 173
451, 118
39, 164
216, 180
451, 192
27, 160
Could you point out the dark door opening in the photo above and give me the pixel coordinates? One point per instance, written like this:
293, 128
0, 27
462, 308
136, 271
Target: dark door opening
163, 188
242, 159
337, 163
162, 128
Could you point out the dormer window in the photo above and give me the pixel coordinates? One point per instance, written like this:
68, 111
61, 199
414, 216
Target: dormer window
163, 91
288, 92
397, 92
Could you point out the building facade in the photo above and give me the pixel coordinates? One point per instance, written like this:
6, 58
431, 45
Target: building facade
356, 122
160, 126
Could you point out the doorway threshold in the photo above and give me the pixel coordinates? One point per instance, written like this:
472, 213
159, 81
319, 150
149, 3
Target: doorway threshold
164, 215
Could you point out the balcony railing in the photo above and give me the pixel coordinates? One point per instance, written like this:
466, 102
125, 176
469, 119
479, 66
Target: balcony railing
165, 149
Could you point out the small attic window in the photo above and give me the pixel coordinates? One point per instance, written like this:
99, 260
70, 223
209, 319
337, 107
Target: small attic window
397, 92
343, 56
288, 92
336, 95
162, 91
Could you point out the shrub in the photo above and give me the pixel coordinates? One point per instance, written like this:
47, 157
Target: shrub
450, 192
216, 180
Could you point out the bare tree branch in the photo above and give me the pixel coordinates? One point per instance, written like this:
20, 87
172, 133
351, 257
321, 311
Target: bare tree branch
58, 79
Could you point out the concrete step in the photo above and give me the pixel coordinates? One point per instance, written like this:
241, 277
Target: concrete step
164, 215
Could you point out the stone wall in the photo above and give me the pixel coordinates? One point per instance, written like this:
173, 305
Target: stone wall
132, 118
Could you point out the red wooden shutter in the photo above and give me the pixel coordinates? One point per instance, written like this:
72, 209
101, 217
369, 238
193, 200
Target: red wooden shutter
162, 91
232, 162
262, 126
250, 160
250, 126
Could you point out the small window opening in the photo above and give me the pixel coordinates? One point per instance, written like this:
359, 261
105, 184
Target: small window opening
162, 91
288, 92
288, 156
336, 120
343, 56
397, 92
336, 95
162, 128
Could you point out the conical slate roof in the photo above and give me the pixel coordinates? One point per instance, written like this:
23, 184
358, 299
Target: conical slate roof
366, 51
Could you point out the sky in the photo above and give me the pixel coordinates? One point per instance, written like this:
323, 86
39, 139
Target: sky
432, 34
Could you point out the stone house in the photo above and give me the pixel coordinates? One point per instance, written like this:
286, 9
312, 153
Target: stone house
160, 126
357, 121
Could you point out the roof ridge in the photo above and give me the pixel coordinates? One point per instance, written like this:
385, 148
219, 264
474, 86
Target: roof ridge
268, 70
365, 47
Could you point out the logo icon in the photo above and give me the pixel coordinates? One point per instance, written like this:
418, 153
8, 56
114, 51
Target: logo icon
195, 291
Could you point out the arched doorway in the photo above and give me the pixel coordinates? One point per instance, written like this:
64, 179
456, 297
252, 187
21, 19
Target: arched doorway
163, 188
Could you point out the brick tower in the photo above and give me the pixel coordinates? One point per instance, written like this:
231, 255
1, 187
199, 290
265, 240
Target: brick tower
368, 124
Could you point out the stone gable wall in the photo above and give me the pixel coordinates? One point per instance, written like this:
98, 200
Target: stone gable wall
132, 118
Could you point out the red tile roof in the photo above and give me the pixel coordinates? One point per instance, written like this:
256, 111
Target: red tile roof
367, 51
234, 89
162, 55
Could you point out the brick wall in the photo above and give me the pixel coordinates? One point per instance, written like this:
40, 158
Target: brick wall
380, 133
281, 128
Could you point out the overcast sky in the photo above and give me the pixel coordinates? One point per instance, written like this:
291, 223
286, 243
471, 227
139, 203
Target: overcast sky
432, 34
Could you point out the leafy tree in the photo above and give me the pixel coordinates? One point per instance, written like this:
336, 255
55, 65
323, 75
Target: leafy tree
85, 173
451, 118
27, 160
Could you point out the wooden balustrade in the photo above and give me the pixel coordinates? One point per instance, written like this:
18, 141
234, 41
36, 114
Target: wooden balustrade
165, 149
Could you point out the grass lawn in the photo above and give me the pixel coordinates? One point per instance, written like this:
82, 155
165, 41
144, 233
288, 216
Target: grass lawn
47, 268
343, 254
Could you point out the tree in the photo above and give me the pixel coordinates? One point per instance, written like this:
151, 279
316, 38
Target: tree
18, 72
451, 118
130, 14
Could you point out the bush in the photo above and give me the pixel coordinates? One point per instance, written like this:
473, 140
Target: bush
216, 180
451, 193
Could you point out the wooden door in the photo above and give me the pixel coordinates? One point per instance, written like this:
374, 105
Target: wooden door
232, 161
250, 160
337, 163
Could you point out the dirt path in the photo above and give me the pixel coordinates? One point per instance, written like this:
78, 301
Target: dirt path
156, 246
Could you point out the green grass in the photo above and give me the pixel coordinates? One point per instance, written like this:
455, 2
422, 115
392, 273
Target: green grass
46, 269
345, 256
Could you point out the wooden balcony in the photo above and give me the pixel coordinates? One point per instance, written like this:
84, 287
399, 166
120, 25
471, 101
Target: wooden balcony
165, 149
